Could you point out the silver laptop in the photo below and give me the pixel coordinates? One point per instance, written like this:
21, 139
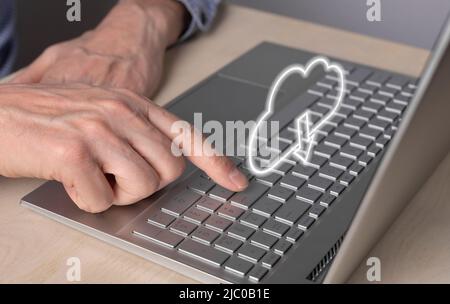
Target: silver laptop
303, 223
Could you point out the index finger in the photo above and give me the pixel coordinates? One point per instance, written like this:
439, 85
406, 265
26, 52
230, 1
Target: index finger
220, 168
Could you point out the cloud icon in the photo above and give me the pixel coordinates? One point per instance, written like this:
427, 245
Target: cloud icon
303, 146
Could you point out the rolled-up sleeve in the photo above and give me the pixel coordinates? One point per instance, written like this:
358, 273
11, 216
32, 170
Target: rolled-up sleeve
202, 15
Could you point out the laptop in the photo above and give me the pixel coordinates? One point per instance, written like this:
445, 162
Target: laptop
303, 223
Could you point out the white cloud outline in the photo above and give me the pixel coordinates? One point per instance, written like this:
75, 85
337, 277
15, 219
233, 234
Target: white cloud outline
295, 148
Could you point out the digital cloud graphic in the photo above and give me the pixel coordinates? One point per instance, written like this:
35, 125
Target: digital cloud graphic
302, 147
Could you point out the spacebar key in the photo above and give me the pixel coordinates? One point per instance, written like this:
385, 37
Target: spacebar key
203, 252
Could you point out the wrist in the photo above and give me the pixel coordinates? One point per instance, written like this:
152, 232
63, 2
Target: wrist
168, 18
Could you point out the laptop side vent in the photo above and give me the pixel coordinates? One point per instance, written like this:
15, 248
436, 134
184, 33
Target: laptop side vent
325, 261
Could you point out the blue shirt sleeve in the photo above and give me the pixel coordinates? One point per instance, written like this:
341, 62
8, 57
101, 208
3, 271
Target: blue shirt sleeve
202, 15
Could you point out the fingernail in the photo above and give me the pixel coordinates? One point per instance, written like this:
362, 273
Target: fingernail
238, 179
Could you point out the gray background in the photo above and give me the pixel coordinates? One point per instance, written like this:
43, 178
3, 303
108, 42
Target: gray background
415, 22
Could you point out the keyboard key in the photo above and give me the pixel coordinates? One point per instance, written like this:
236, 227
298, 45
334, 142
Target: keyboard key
238, 266
217, 223
382, 142
341, 162
308, 195
351, 103
402, 99
157, 235
346, 179
240, 231
263, 240
378, 78
318, 90
270, 260
351, 152
319, 183
201, 184
356, 169
358, 76
397, 82
257, 273
276, 228
251, 252
368, 88
305, 222
388, 116
161, 219
291, 211
205, 235
283, 168
282, 247
374, 150
354, 123
337, 189
279, 193
363, 114
292, 182
324, 150
372, 106
382, 99
203, 252
326, 102
327, 83
330, 172
246, 198
360, 142
388, 91
365, 160
180, 202
335, 141
345, 132
379, 124
294, 234
303, 171
208, 204
395, 107
319, 110
316, 210
327, 200
196, 215
228, 244
253, 220
266, 206
344, 112
360, 96
316, 161
230, 211
370, 133
183, 227
220, 193
288, 135
270, 179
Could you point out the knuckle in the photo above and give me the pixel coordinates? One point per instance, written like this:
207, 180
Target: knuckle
176, 169
75, 152
95, 127
117, 107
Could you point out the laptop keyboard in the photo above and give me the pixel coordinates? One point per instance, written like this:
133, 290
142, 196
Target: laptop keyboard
247, 233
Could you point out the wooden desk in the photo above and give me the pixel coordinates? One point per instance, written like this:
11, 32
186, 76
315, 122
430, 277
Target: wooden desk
416, 248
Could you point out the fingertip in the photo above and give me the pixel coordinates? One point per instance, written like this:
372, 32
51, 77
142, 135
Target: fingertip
238, 179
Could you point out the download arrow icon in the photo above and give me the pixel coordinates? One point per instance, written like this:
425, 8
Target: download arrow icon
306, 131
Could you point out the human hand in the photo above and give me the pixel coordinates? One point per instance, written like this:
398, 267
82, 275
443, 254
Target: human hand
106, 146
125, 51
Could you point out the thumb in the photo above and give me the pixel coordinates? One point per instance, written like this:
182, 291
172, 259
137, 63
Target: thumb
34, 72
